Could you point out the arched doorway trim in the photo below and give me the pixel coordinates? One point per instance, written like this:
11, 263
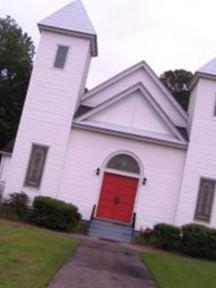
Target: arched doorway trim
129, 172
121, 180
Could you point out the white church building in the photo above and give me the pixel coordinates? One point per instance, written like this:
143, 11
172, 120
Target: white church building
126, 147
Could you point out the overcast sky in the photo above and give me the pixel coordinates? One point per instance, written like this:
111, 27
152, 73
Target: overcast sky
167, 34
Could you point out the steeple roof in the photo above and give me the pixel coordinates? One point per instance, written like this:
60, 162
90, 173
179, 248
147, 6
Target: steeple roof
208, 68
72, 19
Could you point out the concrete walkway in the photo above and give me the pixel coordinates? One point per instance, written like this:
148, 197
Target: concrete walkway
102, 264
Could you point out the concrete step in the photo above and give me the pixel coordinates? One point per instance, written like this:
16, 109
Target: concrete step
105, 232
111, 230
114, 230
110, 224
111, 236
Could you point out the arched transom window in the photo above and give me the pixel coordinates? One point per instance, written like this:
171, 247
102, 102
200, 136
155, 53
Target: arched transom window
125, 163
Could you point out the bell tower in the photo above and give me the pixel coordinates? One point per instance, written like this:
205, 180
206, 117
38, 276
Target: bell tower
197, 196
68, 41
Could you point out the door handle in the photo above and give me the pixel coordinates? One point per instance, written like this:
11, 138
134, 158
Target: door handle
116, 200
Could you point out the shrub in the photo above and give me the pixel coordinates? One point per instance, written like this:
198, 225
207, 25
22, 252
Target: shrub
194, 240
54, 214
199, 241
7, 213
143, 237
166, 237
1, 192
81, 228
18, 204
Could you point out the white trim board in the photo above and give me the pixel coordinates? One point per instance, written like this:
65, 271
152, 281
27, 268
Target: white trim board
154, 139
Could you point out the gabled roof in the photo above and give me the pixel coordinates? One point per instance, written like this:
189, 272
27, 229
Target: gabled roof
72, 19
140, 65
137, 87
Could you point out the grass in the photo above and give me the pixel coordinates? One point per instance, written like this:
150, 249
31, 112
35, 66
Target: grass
29, 257
174, 271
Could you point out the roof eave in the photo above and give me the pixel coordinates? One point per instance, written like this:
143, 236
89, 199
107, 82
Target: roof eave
130, 136
91, 37
199, 75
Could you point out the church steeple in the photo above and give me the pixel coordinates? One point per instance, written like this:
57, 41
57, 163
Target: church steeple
68, 41
72, 20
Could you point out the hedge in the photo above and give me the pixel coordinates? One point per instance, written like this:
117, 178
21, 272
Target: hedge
54, 214
199, 241
193, 240
15, 207
166, 237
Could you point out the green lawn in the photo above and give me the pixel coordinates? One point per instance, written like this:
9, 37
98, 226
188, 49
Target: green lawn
29, 257
173, 271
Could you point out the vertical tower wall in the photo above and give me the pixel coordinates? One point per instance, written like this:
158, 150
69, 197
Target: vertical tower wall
201, 155
49, 108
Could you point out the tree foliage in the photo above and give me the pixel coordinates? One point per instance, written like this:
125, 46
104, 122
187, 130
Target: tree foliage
177, 82
16, 54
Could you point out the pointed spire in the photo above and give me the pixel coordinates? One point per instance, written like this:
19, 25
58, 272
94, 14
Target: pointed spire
72, 19
208, 68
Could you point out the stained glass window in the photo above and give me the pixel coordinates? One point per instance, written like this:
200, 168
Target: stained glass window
124, 162
205, 200
36, 165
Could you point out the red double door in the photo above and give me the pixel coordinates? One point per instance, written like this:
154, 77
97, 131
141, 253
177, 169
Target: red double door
117, 197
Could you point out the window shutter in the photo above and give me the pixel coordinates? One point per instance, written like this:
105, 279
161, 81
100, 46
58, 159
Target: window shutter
205, 200
36, 165
61, 57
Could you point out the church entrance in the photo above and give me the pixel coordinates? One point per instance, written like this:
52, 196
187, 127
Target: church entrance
119, 188
117, 198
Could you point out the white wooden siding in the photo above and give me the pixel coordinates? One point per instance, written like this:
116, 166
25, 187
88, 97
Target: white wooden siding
48, 111
4, 167
201, 156
163, 168
191, 107
134, 111
128, 81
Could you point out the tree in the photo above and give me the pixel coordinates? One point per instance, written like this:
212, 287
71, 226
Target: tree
178, 82
16, 55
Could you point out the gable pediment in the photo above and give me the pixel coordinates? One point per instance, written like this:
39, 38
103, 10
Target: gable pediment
139, 73
134, 110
